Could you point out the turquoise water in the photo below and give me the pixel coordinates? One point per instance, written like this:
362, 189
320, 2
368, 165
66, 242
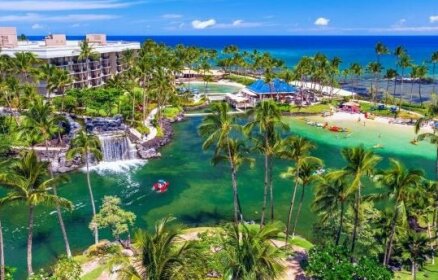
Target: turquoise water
213, 88
200, 194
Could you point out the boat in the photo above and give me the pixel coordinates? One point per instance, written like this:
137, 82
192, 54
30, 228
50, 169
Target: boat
161, 186
337, 129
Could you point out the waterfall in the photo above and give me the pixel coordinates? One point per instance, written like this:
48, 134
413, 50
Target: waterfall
117, 147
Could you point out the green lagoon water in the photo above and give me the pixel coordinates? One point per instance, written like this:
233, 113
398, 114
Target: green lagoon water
199, 193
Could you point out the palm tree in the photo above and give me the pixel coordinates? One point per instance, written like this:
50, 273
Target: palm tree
416, 251
3, 201
306, 176
162, 85
87, 145
216, 129
267, 117
24, 65
421, 73
236, 153
249, 252
162, 254
26, 180
62, 80
40, 120
86, 53
434, 60
401, 182
296, 149
47, 73
332, 195
391, 74
375, 68
356, 70
404, 62
360, 163
380, 50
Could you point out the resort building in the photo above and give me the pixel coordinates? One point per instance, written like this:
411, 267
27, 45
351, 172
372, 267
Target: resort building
55, 49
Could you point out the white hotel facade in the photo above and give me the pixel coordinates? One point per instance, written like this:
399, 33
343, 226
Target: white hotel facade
55, 49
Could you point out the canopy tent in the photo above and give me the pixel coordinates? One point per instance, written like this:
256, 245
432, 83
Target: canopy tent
277, 86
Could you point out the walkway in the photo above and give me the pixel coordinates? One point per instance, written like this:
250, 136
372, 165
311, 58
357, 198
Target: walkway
148, 123
192, 115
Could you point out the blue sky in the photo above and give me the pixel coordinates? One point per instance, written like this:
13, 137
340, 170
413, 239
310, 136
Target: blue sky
222, 17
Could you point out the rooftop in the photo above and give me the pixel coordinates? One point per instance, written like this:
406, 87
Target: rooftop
276, 86
71, 48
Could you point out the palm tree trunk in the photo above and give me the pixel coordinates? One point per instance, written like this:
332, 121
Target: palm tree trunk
300, 205
234, 184
387, 93
2, 255
388, 249
29, 240
395, 88
341, 224
401, 90
433, 79
271, 189
93, 206
292, 202
356, 221
265, 191
414, 270
412, 93
58, 212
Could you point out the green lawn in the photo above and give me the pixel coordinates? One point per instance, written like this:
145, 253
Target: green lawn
94, 274
428, 272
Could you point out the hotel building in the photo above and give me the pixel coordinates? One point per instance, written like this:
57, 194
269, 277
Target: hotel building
55, 49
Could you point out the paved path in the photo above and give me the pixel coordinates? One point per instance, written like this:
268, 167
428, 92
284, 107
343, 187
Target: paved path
148, 123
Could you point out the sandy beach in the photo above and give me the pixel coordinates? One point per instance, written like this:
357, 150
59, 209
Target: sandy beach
343, 116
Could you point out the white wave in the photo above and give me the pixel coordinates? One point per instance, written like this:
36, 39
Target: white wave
122, 166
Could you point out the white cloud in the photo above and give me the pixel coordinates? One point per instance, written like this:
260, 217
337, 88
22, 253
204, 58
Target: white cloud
37, 26
171, 16
62, 5
198, 24
237, 22
33, 17
322, 21
433, 19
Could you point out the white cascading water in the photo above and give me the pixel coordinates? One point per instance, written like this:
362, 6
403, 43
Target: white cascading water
119, 154
117, 147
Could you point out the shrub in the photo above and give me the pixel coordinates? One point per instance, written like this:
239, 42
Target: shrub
333, 262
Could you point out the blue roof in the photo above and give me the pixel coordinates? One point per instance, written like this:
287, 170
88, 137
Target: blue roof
276, 86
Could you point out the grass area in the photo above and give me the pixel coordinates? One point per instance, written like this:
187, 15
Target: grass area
301, 242
94, 274
369, 107
428, 272
171, 112
244, 80
313, 109
81, 259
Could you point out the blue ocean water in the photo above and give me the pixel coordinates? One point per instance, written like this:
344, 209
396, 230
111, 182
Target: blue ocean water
350, 49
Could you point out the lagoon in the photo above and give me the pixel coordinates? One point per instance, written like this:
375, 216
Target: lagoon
200, 194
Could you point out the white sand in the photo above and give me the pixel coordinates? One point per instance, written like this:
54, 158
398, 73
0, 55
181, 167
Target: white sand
343, 116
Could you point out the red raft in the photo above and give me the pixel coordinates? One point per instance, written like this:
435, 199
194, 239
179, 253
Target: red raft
161, 186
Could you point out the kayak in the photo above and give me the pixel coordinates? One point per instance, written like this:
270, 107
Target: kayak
161, 186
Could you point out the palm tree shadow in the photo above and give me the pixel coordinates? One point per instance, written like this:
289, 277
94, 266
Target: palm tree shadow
203, 218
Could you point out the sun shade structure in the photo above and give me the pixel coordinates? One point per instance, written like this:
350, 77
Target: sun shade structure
277, 86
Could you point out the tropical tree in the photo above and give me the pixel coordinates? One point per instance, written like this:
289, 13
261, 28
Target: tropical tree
360, 163
420, 74
249, 253
40, 120
416, 251
266, 116
404, 61
26, 181
296, 149
375, 69
216, 129
391, 74
380, 50
357, 71
112, 216
402, 184
162, 254
86, 53
434, 60
332, 197
87, 145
